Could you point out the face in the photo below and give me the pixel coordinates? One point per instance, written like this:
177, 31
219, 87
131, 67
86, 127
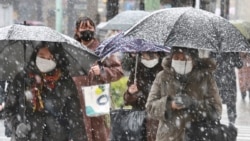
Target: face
45, 54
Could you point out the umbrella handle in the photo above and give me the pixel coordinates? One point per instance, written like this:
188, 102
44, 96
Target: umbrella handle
136, 66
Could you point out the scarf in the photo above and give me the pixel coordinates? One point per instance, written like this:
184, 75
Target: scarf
44, 81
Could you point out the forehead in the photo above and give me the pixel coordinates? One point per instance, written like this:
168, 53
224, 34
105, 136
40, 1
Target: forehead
149, 54
181, 54
86, 24
44, 51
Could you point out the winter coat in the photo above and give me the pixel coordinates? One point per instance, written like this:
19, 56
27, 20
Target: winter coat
61, 118
144, 79
244, 73
225, 75
199, 84
111, 70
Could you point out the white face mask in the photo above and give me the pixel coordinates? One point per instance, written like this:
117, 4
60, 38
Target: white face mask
45, 65
150, 63
182, 67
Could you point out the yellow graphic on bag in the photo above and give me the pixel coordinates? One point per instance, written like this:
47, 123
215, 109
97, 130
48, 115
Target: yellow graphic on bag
99, 90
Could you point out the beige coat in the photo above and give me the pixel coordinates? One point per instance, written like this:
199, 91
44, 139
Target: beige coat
200, 86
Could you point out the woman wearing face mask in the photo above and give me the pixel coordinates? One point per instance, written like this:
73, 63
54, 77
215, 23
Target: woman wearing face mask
137, 93
42, 103
102, 72
183, 94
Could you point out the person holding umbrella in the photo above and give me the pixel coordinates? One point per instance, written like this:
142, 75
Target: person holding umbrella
104, 71
42, 102
148, 64
226, 80
183, 94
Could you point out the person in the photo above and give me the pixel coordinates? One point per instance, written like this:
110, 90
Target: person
105, 71
149, 64
182, 94
42, 101
226, 80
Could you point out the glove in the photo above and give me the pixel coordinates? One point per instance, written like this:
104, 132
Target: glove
184, 100
22, 130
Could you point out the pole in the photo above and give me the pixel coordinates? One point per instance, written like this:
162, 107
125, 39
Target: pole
59, 15
141, 5
225, 9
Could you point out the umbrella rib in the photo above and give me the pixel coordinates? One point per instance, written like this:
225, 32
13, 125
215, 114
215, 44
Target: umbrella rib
10, 32
171, 32
75, 60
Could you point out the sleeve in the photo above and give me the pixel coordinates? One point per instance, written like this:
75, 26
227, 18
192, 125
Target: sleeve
111, 70
238, 61
212, 100
13, 103
157, 106
130, 99
75, 115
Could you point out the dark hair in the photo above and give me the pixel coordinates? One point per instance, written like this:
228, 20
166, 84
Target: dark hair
78, 23
56, 49
192, 52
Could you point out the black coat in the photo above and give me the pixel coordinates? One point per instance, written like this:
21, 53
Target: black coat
61, 119
225, 75
145, 77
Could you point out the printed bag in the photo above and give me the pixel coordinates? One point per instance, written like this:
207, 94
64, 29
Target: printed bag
97, 99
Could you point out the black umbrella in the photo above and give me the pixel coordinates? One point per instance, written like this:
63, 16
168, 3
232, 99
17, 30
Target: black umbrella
17, 44
189, 27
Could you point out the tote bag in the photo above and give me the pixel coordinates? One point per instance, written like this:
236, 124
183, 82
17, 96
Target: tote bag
97, 99
128, 125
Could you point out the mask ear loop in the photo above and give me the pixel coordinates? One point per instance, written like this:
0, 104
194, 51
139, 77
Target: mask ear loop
185, 67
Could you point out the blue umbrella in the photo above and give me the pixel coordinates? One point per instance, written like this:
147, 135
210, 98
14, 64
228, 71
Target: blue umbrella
119, 44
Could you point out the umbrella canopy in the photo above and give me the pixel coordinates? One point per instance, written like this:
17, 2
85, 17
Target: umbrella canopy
17, 44
125, 20
243, 27
118, 43
189, 27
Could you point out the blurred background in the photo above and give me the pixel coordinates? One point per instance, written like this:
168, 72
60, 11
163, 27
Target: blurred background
62, 14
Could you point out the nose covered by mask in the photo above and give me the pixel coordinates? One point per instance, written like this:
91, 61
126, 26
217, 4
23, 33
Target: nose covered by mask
45, 65
150, 63
87, 35
182, 67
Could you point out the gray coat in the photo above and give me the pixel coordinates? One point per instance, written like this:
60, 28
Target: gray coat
200, 85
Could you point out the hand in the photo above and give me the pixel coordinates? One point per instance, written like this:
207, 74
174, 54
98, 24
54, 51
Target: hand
2, 106
22, 130
183, 100
132, 89
176, 106
95, 69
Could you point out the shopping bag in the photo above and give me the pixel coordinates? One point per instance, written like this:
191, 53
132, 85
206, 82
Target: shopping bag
97, 99
128, 125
